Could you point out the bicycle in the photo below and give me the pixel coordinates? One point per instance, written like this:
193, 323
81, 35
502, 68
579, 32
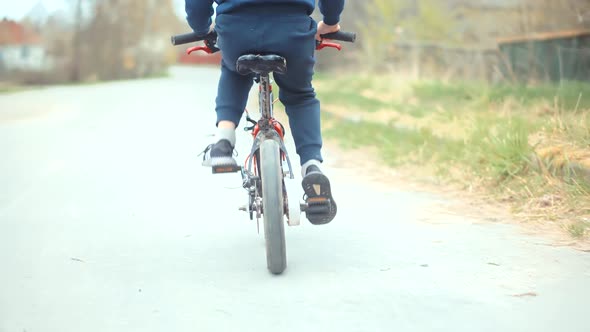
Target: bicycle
263, 173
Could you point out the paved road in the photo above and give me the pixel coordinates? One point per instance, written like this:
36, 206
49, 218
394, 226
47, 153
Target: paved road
108, 223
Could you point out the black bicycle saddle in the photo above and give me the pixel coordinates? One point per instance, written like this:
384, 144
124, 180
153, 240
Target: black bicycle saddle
261, 64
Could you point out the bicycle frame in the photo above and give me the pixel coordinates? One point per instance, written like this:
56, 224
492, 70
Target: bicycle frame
266, 105
267, 127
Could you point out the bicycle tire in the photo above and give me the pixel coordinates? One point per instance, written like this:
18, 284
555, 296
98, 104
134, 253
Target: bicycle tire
272, 206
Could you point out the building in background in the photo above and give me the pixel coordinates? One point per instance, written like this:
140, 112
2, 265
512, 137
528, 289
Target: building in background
21, 49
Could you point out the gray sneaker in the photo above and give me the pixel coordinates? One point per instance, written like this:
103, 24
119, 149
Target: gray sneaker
219, 154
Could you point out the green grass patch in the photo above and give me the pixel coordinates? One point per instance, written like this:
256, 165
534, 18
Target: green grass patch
397, 145
352, 100
500, 150
5, 89
486, 131
569, 95
578, 229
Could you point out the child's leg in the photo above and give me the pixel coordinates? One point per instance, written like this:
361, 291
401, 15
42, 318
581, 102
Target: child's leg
232, 96
303, 109
297, 43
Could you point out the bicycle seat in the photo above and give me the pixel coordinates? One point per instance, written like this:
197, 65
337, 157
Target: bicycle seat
261, 64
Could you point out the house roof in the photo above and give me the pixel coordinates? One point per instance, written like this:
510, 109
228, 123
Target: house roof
14, 33
544, 36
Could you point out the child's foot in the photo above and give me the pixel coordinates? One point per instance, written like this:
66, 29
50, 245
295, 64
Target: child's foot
321, 207
219, 154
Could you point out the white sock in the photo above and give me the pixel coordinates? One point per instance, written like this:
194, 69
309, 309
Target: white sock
228, 134
307, 164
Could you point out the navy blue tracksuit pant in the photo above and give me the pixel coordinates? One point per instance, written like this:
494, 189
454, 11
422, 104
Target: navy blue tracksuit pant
284, 30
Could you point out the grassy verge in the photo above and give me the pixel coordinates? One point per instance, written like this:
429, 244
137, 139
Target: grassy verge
15, 87
8, 88
526, 146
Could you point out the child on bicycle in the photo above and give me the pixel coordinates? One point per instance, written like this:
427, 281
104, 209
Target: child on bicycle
282, 27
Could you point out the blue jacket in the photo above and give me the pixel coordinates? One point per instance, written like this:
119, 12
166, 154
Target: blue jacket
199, 12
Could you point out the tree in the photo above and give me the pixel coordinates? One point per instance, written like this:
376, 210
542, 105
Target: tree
551, 15
378, 29
77, 47
432, 22
388, 21
122, 38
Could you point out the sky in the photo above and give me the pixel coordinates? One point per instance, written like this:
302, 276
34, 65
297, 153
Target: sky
17, 9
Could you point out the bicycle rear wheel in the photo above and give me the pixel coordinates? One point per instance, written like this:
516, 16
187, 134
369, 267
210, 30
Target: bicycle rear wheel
272, 206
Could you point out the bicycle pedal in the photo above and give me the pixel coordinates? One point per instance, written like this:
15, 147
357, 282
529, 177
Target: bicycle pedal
319, 200
318, 209
224, 169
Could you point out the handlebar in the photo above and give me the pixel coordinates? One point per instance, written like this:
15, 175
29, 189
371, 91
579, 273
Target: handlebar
192, 37
341, 36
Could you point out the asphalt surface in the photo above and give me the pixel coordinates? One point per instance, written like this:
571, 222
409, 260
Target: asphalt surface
109, 223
